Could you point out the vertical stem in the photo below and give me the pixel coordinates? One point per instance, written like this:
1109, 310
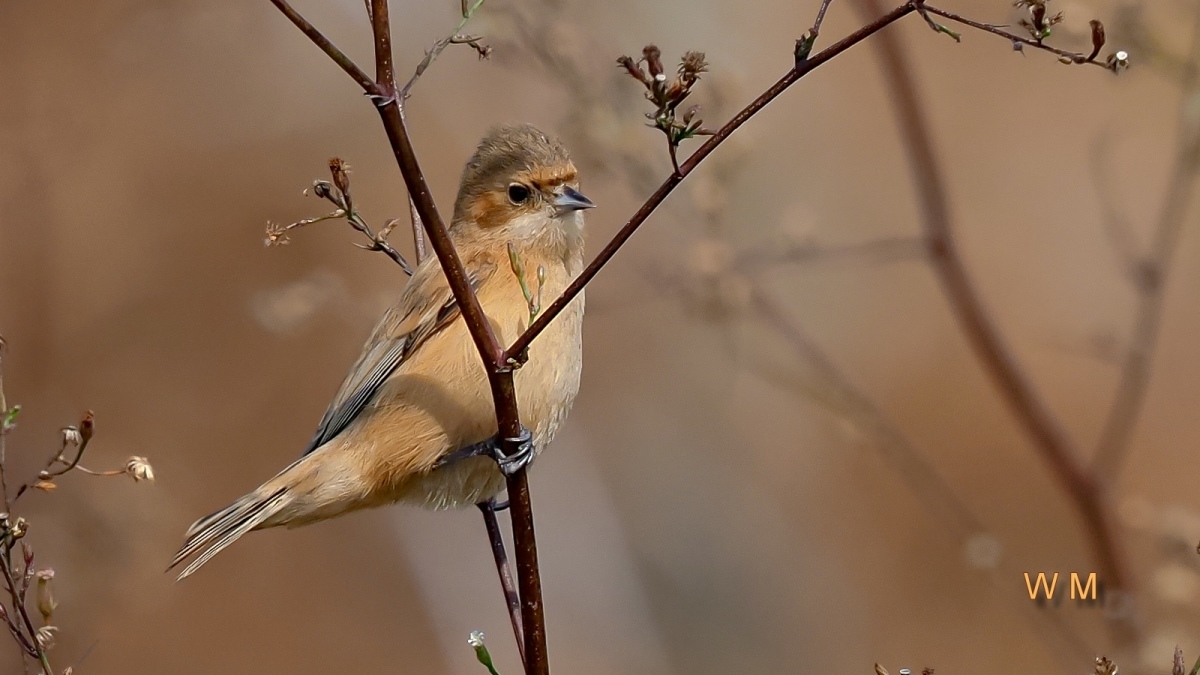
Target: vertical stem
504, 570
525, 544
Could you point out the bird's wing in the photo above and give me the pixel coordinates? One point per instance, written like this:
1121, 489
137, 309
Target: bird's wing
402, 330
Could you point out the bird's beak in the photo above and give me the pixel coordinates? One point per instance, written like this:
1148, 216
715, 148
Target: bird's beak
569, 200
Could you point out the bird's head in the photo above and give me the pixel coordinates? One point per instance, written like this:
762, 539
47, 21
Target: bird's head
521, 185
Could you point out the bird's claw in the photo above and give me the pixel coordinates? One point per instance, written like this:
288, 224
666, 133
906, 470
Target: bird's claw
510, 464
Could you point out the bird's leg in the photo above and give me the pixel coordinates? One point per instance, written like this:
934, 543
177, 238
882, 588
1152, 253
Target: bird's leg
489, 509
509, 464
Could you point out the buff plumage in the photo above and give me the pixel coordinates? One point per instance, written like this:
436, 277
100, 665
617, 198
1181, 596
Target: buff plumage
419, 391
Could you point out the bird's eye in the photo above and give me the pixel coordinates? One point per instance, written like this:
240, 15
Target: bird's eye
517, 193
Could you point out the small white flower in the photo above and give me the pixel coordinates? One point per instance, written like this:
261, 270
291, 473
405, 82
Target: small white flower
661, 77
139, 468
475, 639
45, 636
71, 436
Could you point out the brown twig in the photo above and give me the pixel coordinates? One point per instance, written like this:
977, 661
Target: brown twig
500, 370
1073, 57
3, 431
57, 465
1065, 461
804, 44
438, 47
331, 50
504, 571
18, 605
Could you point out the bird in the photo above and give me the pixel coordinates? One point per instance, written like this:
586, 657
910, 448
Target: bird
413, 422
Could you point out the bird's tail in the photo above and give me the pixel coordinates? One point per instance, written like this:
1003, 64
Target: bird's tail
211, 534
214, 532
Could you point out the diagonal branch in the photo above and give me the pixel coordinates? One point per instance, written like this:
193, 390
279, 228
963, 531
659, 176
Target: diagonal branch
347, 64
1050, 439
668, 186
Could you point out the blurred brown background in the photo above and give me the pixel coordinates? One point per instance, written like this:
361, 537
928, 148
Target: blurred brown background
710, 508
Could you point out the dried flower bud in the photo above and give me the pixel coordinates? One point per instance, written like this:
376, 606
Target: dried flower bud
880, 670
1038, 12
1177, 666
691, 65
1105, 667
19, 528
45, 598
689, 114
87, 427
139, 468
71, 436
46, 485
1098, 39
341, 173
653, 57
635, 71
322, 189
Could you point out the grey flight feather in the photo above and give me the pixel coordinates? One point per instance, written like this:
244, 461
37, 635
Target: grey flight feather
378, 363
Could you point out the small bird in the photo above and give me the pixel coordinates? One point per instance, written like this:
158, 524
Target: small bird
414, 421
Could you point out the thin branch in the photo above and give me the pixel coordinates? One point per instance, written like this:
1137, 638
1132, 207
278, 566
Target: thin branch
816, 27
331, 50
339, 194
57, 465
440, 46
1150, 283
1050, 439
519, 347
504, 571
3, 430
1073, 57
804, 45
18, 606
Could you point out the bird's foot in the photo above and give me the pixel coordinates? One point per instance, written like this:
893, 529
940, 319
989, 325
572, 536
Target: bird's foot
524, 454
509, 464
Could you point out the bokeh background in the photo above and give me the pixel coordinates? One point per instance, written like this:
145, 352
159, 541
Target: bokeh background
716, 504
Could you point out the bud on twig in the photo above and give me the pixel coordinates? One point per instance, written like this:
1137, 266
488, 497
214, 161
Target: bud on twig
341, 174
45, 598
1098, 39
